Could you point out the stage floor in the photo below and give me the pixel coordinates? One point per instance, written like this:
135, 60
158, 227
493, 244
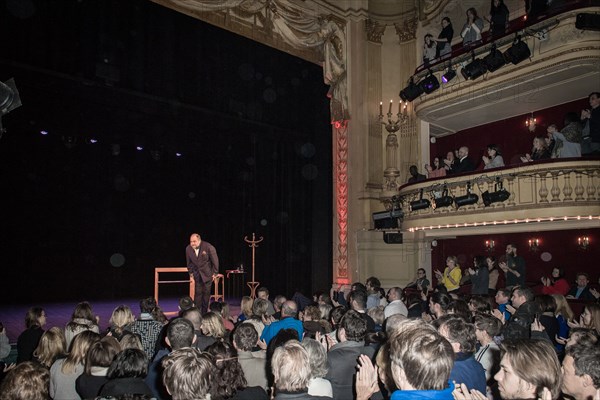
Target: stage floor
59, 314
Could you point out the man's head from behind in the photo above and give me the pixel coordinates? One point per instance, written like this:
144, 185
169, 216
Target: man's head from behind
180, 333
291, 367
459, 333
353, 327
147, 305
245, 337
527, 367
194, 315
581, 371
421, 358
289, 309
187, 374
358, 299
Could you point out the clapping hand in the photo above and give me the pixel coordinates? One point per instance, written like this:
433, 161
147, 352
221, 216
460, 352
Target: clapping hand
461, 392
366, 378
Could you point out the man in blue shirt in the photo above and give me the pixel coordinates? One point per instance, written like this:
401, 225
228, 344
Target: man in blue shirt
289, 310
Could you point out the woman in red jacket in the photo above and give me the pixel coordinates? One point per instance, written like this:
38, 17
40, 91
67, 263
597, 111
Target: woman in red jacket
557, 284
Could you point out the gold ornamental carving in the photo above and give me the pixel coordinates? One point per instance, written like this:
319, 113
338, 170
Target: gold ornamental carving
374, 30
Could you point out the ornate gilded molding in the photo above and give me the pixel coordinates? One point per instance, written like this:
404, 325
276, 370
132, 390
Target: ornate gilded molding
407, 31
341, 194
374, 30
429, 9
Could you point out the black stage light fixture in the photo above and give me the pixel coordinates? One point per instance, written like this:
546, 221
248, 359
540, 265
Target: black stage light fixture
474, 69
443, 201
499, 195
469, 198
411, 92
494, 60
387, 219
392, 237
9, 99
430, 83
420, 204
518, 52
449, 75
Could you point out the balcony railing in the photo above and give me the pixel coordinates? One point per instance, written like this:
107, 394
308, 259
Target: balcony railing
541, 191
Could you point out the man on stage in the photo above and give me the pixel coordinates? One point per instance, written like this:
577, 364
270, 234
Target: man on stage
203, 264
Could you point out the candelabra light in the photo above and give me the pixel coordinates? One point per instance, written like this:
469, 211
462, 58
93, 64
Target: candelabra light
534, 244
490, 245
390, 125
583, 242
531, 122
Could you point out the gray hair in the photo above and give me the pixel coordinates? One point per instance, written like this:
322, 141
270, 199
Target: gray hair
317, 356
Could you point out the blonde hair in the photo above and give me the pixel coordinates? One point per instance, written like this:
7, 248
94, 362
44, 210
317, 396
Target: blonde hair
594, 324
562, 306
212, 325
79, 347
120, 318
51, 346
131, 341
246, 306
377, 314
291, 367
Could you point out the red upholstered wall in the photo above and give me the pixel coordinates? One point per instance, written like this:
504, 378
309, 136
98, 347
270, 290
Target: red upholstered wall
561, 246
511, 135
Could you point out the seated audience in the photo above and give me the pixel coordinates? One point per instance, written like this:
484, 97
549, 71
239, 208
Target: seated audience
245, 339
83, 319
373, 286
480, 305
212, 325
421, 282
228, 380
494, 158
317, 355
547, 317
519, 325
187, 374
311, 322
590, 318
540, 150
65, 371
415, 176
563, 314
146, 326
28, 340
245, 308
126, 374
51, 347
395, 305
119, 321
27, 381
357, 300
502, 299
582, 290
263, 293
557, 284
439, 304
202, 341
288, 320
97, 360
437, 170
217, 308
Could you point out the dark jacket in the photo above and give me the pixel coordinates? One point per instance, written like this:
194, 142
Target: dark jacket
585, 294
466, 165
519, 325
342, 360
203, 266
468, 371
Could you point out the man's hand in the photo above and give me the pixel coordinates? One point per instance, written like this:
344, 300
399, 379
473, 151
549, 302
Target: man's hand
461, 392
366, 379
510, 309
500, 315
267, 319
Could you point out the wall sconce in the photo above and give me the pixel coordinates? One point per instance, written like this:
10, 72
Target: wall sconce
530, 123
489, 245
534, 244
583, 242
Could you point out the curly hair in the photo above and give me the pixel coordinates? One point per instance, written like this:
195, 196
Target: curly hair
27, 381
228, 377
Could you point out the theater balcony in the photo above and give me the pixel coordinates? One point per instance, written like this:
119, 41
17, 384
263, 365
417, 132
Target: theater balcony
557, 60
539, 196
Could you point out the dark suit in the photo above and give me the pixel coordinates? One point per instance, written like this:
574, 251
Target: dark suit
466, 165
585, 294
202, 267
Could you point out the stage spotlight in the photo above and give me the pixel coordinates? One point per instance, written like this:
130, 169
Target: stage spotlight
443, 201
474, 69
469, 198
420, 204
387, 219
498, 196
411, 92
9, 99
518, 52
494, 60
449, 75
430, 83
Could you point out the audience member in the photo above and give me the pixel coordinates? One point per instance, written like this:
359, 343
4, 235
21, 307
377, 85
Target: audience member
458, 307
130, 341
540, 150
358, 302
373, 297
311, 321
396, 305
65, 371
556, 284
187, 374
217, 308
461, 335
487, 327
83, 319
28, 340
429, 49
245, 339
5, 347
291, 372
589, 318
590, 118
494, 275
228, 380
547, 317
563, 314
51, 347
582, 290
27, 381
212, 326
568, 140
519, 325
202, 341
415, 176
494, 158
444, 39
289, 311
420, 282
126, 374
480, 276
581, 372
439, 303
146, 326
245, 308
277, 304
451, 276
263, 293
437, 170
335, 317
464, 163
185, 303
480, 305
514, 267
120, 320
98, 359
450, 162
498, 18
502, 299
471, 32
317, 355
342, 357
259, 315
